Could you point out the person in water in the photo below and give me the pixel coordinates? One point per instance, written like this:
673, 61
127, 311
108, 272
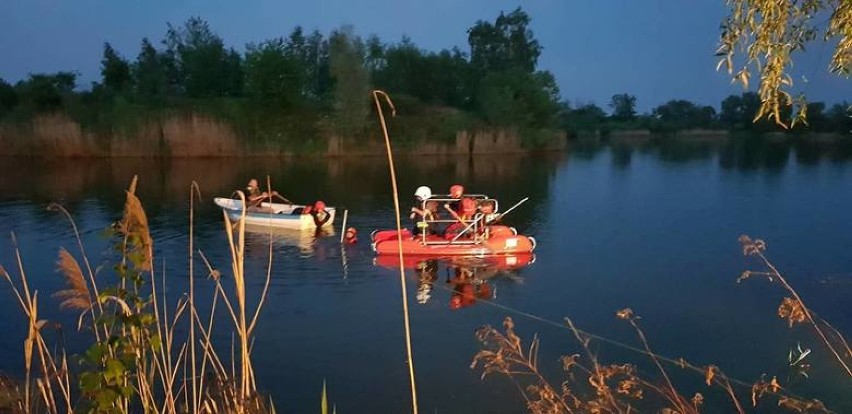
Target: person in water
425, 210
351, 236
318, 213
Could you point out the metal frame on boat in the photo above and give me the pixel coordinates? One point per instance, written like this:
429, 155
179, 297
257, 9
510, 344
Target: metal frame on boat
481, 238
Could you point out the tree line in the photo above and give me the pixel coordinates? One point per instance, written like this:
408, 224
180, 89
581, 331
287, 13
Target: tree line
737, 114
307, 84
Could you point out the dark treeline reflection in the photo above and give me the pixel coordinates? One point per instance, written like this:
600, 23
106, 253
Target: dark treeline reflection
748, 153
361, 185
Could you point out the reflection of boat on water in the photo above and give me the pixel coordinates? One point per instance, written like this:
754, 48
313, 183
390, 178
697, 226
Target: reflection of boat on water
258, 234
502, 262
283, 216
468, 278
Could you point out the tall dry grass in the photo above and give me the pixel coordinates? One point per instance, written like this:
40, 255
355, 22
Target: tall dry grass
138, 361
590, 386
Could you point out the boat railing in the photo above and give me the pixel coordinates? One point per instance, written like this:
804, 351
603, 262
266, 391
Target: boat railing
473, 227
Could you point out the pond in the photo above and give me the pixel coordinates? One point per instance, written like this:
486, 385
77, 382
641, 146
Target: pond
650, 227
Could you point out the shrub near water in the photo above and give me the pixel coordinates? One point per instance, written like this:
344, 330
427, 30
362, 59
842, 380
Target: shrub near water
136, 362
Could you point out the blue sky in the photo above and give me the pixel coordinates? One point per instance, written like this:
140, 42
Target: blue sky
655, 49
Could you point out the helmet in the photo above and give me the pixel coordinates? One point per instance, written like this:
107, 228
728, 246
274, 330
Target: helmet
456, 191
455, 302
468, 205
352, 230
319, 205
423, 192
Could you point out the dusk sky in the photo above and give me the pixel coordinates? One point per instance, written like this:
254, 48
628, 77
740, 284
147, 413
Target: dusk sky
655, 49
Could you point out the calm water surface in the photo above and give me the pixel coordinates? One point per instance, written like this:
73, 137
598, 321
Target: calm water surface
652, 228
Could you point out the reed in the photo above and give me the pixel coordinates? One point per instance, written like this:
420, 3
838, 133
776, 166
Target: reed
147, 353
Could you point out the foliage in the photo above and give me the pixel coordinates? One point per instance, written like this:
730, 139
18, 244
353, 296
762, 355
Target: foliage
43, 92
8, 97
206, 67
115, 71
623, 107
154, 72
767, 33
137, 361
507, 44
680, 114
274, 77
346, 59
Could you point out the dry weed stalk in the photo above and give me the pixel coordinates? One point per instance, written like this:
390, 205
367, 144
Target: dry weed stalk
593, 387
145, 324
793, 308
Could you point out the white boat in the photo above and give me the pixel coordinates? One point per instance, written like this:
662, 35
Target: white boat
283, 216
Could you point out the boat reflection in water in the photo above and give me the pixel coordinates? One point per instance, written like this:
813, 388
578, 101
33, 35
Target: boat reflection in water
469, 279
257, 235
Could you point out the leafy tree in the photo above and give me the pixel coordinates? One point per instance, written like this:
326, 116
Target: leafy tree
207, 68
507, 44
840, 118
739, 112
587, 117
816, 116
319, 68
45, 92
375, 60
115, 71
623, 107
351, 82
768, 32
274, 76
680, 114
517, 98
8, 97
732, 111
155, 73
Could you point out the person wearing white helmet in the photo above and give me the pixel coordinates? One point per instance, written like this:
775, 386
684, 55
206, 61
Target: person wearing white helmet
424, 211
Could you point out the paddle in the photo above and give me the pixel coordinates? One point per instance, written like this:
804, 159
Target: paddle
283, 199
500, 215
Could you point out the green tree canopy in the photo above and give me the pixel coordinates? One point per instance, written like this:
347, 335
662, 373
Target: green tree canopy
206, 67
623, 107
351, 82
45, 92
115, 71
681, 114
274, 75
8, 97
507, 44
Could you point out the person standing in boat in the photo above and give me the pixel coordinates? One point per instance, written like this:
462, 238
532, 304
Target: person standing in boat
428, 212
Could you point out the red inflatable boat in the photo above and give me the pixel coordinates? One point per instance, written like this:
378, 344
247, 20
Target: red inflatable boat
502, 240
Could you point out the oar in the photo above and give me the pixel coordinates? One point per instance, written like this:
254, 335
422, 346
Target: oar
500, 215
469, 226
284, 199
